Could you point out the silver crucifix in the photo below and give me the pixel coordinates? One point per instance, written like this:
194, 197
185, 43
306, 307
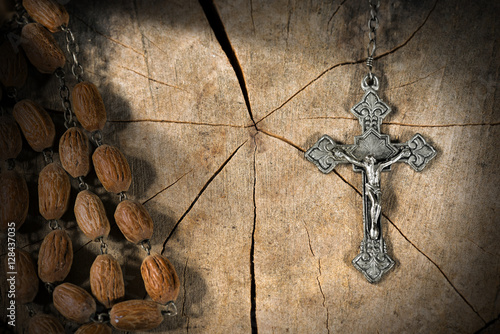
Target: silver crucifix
371, 153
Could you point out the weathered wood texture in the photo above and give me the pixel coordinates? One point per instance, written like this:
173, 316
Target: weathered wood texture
234, 201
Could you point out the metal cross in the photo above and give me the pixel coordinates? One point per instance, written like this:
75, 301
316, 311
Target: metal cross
371, 153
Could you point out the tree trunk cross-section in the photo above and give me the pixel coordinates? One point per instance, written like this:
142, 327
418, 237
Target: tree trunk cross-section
214, 105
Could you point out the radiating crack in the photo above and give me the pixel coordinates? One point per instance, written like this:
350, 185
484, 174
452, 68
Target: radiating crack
106, 36
352, 62
451, 125
170, 185
215, 21
335, 12
82, 246
150, 78
253, 287
417, 80
282, 139
488, 325
177, 122
205, 186
437, 266
309, 239
324, 297
183, 312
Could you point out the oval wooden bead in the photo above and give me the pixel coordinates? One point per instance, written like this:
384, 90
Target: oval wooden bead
88, 106
11, 142
41, 48
35, 123
112, 168
50, 13
26, 278
94, 328
106, 280
13, 67
134, 221
55, 257
73, 302
160, 278
45, 324
91, 215
14, 199
74, 152
53, 191
135, 315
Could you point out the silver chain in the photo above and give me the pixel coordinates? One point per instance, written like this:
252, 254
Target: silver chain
372, 34
66, 103
73, 49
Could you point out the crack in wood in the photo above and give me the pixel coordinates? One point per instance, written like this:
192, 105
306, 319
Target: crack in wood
214, 19
417, 80
253, 286
488, 325
283, 139
405, 124
106, 36
335, 12
170, 185
205, 186
352, 62
309, 239
437, 266
151, 78
324, 297
183, 312
177, 122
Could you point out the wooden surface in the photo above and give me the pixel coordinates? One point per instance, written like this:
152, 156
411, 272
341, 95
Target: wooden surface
235, 203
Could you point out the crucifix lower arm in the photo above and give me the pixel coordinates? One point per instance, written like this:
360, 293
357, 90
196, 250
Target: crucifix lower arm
371, 153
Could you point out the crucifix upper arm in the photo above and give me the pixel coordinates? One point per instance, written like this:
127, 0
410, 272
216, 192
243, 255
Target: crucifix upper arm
402, 153
349, 159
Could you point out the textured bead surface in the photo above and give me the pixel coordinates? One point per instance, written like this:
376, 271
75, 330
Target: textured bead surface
35, 123
11, 142
45, 324
136, 315
134, 221
106, 280
14, 199
50, 13
74, 152
160, 278
88, 106
112, 168
91, 215
41, 48
55, 257
53, 191
73, 302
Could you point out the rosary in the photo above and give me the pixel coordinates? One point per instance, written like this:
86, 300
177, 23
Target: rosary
55, 256
371, 154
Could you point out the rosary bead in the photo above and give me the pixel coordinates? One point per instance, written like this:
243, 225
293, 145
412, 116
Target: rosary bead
26, 278
91, 215
94, 328
41, 48
55, 257
50, 13
11, 142
13, 67
106, 280
112, 168
73, 302
134, 221
35, 123
160, 278
136, 315
53, 191
74, 152
45, 324
88, 106
14, 199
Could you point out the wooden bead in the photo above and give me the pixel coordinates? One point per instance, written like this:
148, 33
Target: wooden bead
135, 315
41, 48
35, 123
106, 280
55, 257
53, 191
94, 328
13, 67
74, 152
112, 168
160, 278
134, 221
88, 106
14, 199
11, 142
73, 302
91, 215
45, 324
50, 13
26, 278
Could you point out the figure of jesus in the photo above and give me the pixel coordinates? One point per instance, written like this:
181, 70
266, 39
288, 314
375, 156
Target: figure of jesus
372, 170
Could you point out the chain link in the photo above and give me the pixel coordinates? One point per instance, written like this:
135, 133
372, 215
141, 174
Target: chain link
64, 94
96, 137
373, 24
146, 245
73, 50
48, 155
82, 185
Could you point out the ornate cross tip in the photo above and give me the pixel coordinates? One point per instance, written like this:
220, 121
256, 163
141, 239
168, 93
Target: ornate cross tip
371, 154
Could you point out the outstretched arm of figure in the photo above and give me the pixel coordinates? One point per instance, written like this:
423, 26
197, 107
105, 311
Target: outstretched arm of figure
341, 154
403, 154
